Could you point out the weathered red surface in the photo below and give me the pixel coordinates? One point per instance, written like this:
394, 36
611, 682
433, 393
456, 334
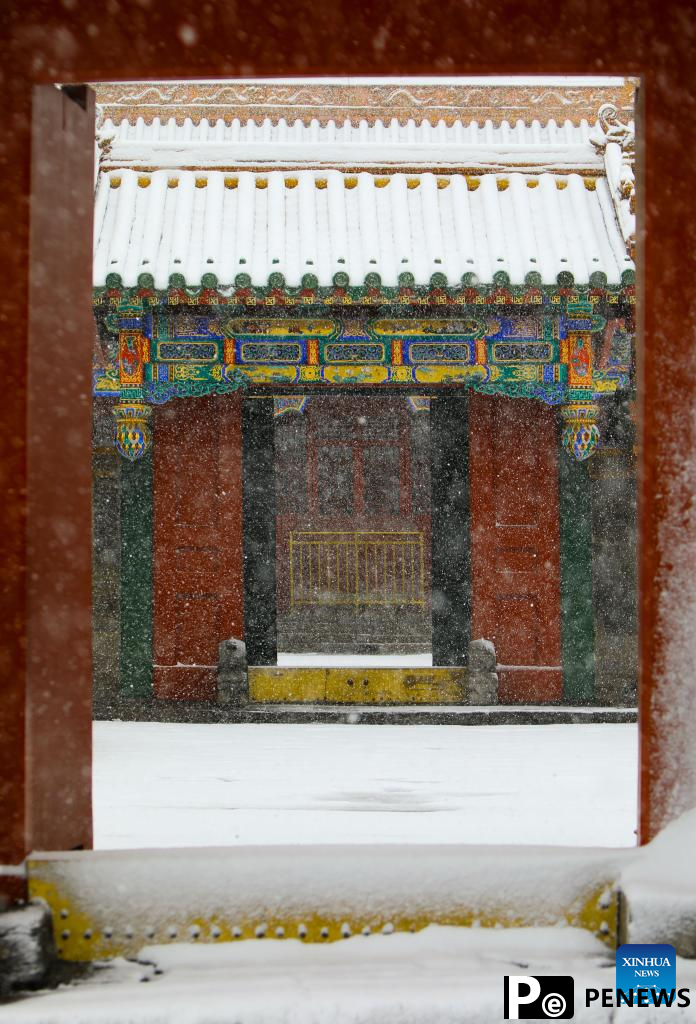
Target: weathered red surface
45, 612
48, 42
515, 553
197, 543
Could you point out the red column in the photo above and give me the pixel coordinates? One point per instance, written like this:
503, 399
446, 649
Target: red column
667, 483
45, 709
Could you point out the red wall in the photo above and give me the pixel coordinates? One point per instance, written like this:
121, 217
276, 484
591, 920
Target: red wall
515, 543
198, 597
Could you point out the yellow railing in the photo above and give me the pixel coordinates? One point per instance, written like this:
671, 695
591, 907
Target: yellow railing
365, 567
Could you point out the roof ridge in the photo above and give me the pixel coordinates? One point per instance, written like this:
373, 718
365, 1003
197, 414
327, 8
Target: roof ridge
310, 100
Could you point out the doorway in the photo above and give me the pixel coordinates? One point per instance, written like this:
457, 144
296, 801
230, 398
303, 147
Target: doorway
353, 525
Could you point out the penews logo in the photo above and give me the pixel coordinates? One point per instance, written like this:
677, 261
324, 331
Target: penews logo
538, 997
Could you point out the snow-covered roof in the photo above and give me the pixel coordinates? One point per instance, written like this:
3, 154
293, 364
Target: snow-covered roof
273, 229
411, 131
378, 145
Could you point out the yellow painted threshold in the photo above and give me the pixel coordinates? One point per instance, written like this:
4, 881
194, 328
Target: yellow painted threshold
268, 684
81, 936
114, 904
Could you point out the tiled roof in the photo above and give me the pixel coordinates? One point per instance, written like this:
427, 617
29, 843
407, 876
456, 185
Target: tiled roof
314, 132
276, 228
461, 145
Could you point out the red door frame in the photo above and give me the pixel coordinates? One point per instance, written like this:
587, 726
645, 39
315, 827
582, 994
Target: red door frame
45, 42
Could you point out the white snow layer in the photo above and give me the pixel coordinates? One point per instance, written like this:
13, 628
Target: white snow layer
174, 785
421, 660
441, 975
235, 132
438, 976
660, 886
323, 223
533, 885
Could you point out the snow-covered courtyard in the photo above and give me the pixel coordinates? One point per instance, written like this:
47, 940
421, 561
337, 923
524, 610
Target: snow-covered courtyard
161, 785
192, 785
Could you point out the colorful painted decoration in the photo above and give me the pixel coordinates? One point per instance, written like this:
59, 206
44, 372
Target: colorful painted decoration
133, 433
288, 403
580, 432
418, 403
569, 356
106, 381
133, 355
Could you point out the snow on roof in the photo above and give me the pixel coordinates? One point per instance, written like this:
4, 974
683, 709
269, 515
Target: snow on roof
353, 229
461, 145
250, 130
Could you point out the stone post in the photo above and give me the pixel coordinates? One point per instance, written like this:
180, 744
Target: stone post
232, 682
483, 678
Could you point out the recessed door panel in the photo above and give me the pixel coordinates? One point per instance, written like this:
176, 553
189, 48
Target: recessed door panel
515, 544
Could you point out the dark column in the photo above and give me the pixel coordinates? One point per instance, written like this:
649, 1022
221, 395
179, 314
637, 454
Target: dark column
451, 542
613, 489
258, 509
136, 577
106, 557
577, 614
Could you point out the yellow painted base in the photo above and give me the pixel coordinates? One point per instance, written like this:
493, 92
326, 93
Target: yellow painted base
357, 685
84, 933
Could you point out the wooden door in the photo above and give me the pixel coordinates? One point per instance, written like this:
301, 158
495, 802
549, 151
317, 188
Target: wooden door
353, 532
515, 544
197, 536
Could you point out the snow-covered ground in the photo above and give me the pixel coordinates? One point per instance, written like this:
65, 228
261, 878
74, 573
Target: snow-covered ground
438, 976
421, 660
184, 785
161, 785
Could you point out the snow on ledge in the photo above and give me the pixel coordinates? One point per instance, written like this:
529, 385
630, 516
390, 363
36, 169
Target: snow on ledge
533, 885
660, 887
